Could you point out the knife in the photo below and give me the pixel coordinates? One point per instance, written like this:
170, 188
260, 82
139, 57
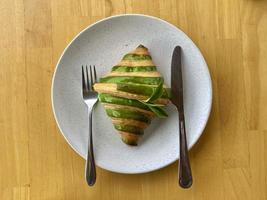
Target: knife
185, 174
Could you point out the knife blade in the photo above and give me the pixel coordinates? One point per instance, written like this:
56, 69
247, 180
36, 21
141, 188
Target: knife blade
185, 174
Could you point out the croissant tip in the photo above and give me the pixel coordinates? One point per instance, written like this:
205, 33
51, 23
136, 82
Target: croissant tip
129, 139
141, 46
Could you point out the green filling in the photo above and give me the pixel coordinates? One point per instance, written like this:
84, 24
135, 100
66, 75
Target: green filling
127, 114
132, 79
136, 57
129, 128
118, 68
107, 98
140, 89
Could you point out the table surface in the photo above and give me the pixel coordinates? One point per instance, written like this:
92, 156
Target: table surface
229, 160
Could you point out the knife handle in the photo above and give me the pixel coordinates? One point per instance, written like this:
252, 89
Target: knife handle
185, 174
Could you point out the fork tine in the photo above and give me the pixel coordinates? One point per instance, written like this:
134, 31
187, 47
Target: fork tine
95, 77
88, 83
91, 78
83, 80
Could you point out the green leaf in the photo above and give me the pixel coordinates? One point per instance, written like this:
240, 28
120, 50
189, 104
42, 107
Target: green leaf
157, 93
153, 104
158, 111
156, 108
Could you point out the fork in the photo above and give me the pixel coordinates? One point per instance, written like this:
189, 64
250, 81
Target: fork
90, 99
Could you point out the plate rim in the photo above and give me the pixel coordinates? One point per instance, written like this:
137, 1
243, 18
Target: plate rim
133, 15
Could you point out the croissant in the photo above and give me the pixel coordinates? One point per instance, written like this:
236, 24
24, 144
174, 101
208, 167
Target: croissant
125, 94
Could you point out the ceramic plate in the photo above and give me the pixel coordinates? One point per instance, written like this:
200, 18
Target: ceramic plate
103, 44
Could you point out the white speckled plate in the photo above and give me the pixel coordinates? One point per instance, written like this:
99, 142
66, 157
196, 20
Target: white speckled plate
103, 44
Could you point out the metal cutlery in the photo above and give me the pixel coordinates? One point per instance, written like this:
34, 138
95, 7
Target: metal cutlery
90, 99
185, 174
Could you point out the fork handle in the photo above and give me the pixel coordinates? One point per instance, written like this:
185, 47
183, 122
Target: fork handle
90, 170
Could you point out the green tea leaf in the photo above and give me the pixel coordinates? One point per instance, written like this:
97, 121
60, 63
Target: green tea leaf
153, 104
158, 111
156, 108
146, 90
157, 93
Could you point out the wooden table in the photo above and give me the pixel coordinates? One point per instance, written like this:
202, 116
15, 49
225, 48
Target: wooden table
229, 161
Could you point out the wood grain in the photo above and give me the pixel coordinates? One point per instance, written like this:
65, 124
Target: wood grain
229, 160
